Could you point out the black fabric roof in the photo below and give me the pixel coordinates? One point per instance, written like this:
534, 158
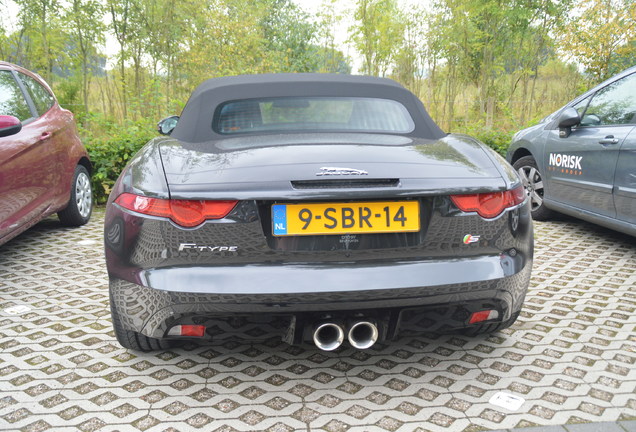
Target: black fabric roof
195, 123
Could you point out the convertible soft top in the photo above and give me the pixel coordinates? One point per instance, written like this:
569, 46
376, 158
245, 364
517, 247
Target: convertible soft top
195, 123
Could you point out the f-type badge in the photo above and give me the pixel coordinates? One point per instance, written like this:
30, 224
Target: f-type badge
328, 171
205, 248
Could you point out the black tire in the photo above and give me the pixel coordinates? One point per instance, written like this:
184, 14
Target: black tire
80, 207
479, 329
532, 180
134, 340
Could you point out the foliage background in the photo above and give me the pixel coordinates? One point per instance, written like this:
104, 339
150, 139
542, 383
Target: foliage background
483, 67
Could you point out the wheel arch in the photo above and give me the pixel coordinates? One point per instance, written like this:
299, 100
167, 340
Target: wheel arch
86, 163
519, 153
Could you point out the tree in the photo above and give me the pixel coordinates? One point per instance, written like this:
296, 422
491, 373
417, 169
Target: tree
493, 46
625, 57
330, 60
85, 18
4, 37
532, 22
600, 34
164, 24
377, 33
410, 60
226, 39
120, 11
289, 35
41, 35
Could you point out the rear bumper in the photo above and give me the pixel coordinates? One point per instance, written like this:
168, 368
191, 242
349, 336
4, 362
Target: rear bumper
307, 293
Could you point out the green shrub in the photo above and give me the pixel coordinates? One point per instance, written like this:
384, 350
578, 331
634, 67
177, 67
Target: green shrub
495, 138
498, 140
110, 147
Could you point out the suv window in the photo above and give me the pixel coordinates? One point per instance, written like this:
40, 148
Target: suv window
42, 99
580, 107
613, 105
12, 100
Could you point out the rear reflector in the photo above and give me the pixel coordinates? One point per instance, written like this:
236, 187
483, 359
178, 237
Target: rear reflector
187, 330
483, 316
186, 213
491, 204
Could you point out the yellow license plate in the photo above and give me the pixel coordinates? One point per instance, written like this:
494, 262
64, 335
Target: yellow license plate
345, 218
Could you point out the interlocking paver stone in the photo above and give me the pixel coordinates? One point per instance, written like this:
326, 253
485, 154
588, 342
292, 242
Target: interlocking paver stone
571, 355
629, 426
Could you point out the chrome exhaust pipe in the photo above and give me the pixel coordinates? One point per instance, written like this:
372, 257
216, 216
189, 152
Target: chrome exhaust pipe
328, 336
363, 335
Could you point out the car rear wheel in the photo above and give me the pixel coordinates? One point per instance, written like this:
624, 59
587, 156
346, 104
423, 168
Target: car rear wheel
80, 206
533, 183
134, 340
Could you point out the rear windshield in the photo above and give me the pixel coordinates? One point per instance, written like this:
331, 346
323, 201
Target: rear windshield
312, 114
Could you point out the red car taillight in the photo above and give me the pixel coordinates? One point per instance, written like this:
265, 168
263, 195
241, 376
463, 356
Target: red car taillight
186, 213
491, 204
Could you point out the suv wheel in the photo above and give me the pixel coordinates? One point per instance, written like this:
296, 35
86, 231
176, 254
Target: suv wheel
533, 183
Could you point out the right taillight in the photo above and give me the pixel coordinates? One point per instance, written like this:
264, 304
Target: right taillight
186, 213
491, 204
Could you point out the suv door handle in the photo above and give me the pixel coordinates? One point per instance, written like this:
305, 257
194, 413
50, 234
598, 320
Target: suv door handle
608, 140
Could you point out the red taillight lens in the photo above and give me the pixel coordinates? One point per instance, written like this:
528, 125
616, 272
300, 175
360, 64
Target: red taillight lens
490, 205
187, 213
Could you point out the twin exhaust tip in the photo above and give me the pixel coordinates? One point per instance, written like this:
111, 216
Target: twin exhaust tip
328, 336
362, 335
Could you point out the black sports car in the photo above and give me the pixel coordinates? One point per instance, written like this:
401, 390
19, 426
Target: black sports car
313, 207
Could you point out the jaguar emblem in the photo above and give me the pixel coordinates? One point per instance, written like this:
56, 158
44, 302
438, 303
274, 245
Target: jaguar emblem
328, 171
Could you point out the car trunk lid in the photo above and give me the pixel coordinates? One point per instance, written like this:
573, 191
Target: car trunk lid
327, 166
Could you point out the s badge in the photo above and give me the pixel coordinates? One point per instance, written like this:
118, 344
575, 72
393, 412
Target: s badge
468, 238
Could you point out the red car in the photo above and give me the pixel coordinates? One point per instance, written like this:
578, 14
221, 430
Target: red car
44, 168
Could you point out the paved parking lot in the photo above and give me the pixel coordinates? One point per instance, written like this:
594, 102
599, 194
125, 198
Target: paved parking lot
571, 356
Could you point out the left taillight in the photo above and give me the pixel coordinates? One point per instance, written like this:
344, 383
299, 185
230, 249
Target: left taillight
491, 204
186, 213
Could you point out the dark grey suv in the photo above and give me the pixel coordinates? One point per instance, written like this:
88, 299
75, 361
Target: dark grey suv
581, 160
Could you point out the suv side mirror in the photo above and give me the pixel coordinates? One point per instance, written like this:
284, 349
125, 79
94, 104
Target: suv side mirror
569, 117
9, 125
165, 126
